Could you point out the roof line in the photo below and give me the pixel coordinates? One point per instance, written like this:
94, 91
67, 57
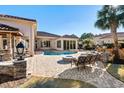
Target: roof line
8, 28
16, 17
43, 33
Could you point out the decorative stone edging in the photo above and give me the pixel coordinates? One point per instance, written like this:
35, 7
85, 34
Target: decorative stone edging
16, 70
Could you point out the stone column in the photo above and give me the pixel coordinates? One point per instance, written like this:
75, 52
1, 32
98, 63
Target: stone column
20, 69
1, 42
9, 43
8, 52
14, 44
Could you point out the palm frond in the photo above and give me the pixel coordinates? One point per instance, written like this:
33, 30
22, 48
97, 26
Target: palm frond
109, 15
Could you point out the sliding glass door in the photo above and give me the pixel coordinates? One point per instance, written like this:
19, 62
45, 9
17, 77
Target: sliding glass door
69, 44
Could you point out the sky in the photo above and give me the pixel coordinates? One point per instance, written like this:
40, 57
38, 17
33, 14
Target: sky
68, 19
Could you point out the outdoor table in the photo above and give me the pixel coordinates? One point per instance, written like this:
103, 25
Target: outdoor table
88, 59
70, 59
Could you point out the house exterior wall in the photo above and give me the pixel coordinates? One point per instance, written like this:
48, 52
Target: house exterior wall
53, 42
27, 28
40, 39
97, 40
100, 41
107, 40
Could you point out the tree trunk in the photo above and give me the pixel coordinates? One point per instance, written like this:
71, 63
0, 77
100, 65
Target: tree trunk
115, 39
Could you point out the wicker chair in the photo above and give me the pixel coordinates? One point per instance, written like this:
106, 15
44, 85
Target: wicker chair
93, 59
81, 61
99, 57
88, 59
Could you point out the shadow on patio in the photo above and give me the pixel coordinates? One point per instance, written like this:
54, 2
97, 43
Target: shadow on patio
5, 78
62, 62
96, 75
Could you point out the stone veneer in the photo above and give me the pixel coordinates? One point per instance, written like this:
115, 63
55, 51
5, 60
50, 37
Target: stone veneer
17, 69
7, 56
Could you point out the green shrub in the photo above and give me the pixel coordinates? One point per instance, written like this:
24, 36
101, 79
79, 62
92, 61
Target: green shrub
121, 45
109, 45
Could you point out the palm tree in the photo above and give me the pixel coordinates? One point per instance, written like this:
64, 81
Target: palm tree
111, 18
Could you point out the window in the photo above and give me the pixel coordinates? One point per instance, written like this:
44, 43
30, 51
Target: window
74, 45
71, 45
59, 44
67, 44
64, 44
4, 44
46, 43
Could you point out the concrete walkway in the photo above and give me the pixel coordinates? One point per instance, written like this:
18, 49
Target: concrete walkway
53, 66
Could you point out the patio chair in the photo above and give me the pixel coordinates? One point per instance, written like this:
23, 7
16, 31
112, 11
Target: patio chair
74, 61
88, 59
93, 59
81, 61
99, 57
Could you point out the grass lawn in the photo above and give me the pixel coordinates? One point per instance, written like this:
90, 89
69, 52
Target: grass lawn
45, 82
116, 70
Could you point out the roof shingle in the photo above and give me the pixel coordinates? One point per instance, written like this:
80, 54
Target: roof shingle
39, 33
69, 36
15, 17
7, 28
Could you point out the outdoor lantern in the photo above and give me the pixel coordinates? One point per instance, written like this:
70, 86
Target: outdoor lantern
20, 50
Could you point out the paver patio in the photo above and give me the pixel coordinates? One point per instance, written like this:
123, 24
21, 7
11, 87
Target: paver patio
53, 66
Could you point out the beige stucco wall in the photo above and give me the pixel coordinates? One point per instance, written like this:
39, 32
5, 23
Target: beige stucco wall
107, 40
42, 38
26, 27
53, 41
99, 40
